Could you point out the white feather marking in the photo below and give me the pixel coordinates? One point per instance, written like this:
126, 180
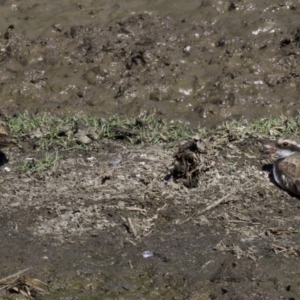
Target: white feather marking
284, 152
277, 179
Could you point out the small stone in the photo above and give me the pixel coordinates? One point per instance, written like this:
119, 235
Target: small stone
37, 134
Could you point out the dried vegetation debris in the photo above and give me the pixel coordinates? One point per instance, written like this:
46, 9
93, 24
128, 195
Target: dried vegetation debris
24, 285
251, 252
215, 181
232, 210
86, 192
5, 139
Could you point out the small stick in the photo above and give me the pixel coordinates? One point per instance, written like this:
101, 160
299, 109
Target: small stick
14, 275
132, 228
213, 205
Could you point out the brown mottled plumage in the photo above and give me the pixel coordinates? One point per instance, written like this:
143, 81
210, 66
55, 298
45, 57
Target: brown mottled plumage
286, 169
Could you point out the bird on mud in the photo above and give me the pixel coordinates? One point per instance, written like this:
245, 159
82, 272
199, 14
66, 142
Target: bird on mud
286, 169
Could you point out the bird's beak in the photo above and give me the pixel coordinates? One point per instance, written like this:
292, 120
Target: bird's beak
270, 148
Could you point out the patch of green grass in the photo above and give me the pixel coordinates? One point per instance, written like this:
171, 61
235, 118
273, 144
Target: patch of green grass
48, 162
149, 130
46, 130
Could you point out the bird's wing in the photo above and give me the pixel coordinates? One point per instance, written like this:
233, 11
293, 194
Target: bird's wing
289, 171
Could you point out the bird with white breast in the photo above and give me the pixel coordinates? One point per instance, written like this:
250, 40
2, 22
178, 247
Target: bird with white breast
286, 169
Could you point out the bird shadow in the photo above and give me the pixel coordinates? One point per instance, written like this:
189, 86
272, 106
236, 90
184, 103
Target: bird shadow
269, 168
3, 159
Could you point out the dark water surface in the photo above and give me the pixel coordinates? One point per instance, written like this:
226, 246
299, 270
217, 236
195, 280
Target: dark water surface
195, 61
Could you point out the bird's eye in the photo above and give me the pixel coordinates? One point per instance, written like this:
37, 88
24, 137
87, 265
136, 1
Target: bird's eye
285, 144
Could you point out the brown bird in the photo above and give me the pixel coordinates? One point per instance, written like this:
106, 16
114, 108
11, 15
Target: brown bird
286, 169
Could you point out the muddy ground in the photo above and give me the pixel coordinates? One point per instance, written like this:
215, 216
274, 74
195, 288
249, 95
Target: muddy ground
84, 226
203, 62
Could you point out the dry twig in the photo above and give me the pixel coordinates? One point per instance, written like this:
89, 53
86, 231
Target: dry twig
218, 202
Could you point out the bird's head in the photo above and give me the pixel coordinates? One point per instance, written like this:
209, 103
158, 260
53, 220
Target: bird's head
286, 146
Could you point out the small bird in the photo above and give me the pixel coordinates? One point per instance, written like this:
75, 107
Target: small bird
286, 169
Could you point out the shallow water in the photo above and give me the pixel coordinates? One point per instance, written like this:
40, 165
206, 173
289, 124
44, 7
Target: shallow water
198, 62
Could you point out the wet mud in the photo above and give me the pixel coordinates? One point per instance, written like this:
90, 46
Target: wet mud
201, 64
